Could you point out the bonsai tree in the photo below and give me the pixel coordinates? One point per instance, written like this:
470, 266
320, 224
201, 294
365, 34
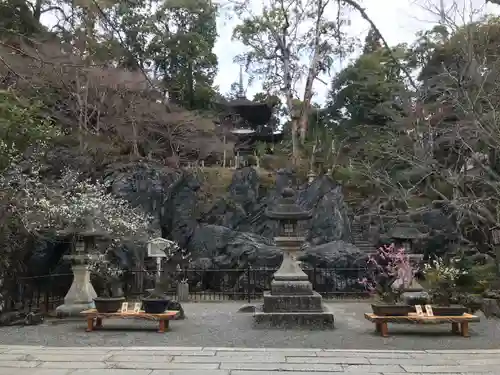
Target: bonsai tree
176, 259
441, 280
388, 264
109, 275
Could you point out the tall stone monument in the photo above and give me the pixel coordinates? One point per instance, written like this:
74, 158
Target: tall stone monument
292, 300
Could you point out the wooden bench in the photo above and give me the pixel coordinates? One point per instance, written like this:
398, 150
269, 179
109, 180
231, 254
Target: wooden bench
459, 324
94, 318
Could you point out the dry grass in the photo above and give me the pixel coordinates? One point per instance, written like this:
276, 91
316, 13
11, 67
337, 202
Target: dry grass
216, 181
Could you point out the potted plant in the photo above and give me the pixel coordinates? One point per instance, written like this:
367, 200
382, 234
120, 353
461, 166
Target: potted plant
111, 299
390, 272
441, 279
157, 302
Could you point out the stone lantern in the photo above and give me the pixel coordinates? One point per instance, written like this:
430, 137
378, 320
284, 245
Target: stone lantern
291, 299
81, 294
405, 236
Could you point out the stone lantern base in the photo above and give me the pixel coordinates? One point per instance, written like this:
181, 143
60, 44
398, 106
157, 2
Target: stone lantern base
80, 296
294, 310
292, 301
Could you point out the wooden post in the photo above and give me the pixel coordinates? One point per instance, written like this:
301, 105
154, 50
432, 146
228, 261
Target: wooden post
464, 327
90, 324
383, 329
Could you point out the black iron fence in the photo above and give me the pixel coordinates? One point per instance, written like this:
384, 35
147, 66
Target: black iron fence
44, 293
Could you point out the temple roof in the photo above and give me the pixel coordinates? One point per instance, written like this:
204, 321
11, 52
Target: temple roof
253, 112
405, 233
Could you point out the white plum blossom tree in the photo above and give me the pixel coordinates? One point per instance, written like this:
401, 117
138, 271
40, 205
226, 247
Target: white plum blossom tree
71, 203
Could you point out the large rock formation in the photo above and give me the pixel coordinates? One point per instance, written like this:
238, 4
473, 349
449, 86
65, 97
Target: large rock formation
235, 233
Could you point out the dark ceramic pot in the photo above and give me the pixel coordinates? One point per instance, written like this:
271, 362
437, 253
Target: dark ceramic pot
452, 310
154, 306
108, 304
392, 310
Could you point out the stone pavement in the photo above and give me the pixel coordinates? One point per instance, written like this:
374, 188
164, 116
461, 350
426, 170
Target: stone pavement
219, 324
38, 360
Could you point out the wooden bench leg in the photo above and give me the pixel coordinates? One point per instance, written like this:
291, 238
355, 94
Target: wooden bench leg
464, 327
455, 328
90, 324
383, 329
162, 326
98, 322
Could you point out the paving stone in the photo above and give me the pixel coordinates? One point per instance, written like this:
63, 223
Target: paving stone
374, 368
163, 365
110, 372
140, 358
284, 352
455, 356
189, 372
73, 365
164, 353
22, 346
338, 360
447, 369
11, 357
244, 372
413, 362
263, 349
365, 354
373, 351
64, 357
18, 364
34, 371
61, 351
234, 358
255, 366
161, 348
473, 361
465, 351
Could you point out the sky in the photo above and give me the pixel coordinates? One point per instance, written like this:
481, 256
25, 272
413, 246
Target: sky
397, 20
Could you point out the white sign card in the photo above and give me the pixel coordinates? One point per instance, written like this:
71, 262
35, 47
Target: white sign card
124, 307
156, 247
137, 307
419, 310
428, 310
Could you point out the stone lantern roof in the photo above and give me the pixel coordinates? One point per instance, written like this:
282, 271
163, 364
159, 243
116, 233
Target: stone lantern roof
287, 208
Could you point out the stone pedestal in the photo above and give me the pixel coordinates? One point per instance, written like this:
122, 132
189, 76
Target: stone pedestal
81, 294
292, 301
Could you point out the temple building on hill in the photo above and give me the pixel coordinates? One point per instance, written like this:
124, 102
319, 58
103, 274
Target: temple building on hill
246, 123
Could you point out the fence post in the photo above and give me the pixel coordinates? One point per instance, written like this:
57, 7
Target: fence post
249, 298
182, 291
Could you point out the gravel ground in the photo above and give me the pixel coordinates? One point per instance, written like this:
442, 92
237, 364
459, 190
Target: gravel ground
219, 325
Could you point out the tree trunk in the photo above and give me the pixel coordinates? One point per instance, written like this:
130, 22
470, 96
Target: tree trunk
311, 76
289, 102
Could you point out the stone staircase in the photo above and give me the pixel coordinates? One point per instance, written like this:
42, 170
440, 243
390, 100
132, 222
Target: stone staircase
359, 240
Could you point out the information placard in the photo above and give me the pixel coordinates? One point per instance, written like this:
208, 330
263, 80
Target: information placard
428, 310
124, 307
137, 307
419, 310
